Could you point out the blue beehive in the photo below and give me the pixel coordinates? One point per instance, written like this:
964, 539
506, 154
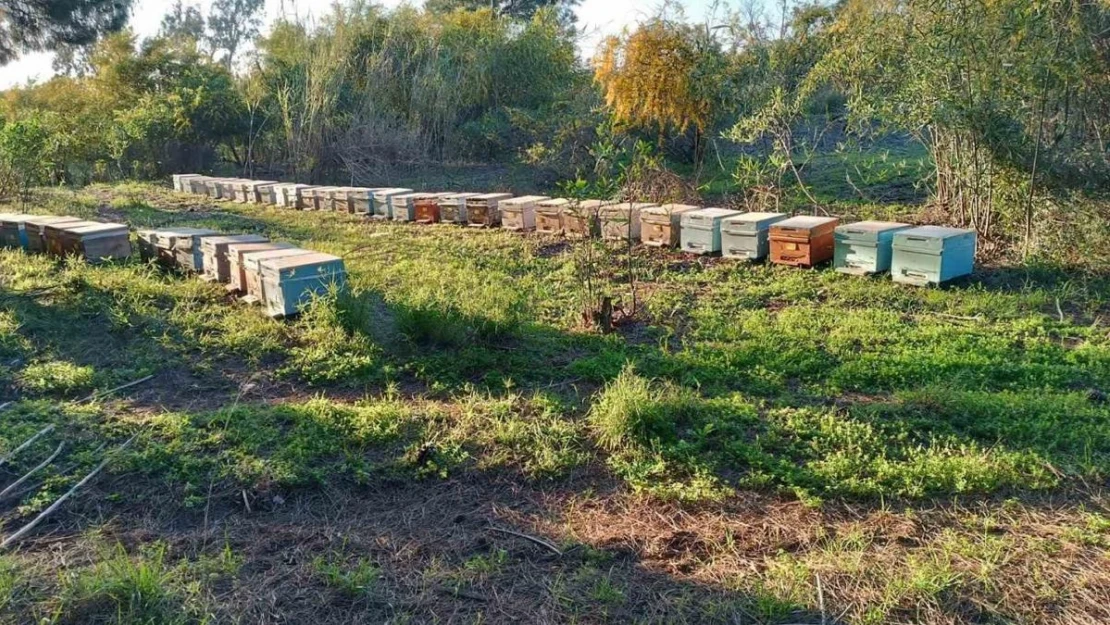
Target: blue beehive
865, 247
932, 255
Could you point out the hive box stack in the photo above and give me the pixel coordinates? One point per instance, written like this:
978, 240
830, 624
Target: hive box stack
403, 207
213, 187
360, 200
95, 242
427, 207
217, 267
285, 194
519, 213
701, 229
198, 185
229, 188
621, 221
747, 236
452, 207
290, 282
53, 243
484, 211
13, 230
341, 200
237, 280
803, 241
182, 182
580, 218
180, 247
147, 249
383, 202
252, 270
932, 255
36, 231
660, 226
865, 247
255, 192
549, 215
335, 199
311, 198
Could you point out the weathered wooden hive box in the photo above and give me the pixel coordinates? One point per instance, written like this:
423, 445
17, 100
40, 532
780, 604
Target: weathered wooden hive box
701, 229
581, 219
54, 244
160, 243
252, 270
452, 207
383, 202
256, 192
360, 200
549, 215
313, 198
229, 188
36, 231
803, 241
285, 194
621, 221
403, 207
747, 236
660, 226
484, 211
197, 186
180, 247
217, 267
237, 280
148, 251
341, 199
932, 255
13, 230
865, 247
519, 213
334, 199
427, 207
213, 187
96, 242
182, 182
290, 282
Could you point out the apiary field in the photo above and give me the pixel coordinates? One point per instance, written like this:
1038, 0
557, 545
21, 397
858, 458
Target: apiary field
446, 442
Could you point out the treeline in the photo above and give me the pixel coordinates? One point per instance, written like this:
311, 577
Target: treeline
1009, 97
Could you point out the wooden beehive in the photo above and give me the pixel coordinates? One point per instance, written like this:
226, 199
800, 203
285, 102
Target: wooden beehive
217, 267
237, 279
660, 226
229, 188
187, 250
181, 182
290, 282
36, 231
932, 255
148, 251
701, 229
214, 187
452, 207
55, 245
383, 202
285, 194
95, 242
360, 200
549, 215
197, 186
252, 270
621, 221
747, 236
427, 208
13, 230
519, 213
255, 192
166, 243
581, 219
483, 211
865, 247
403, 206
803, 241
329, 199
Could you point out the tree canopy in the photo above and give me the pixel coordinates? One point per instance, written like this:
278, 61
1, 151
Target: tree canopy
36, 25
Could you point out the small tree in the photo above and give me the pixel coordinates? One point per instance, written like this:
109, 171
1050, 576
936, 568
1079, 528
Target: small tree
27, 152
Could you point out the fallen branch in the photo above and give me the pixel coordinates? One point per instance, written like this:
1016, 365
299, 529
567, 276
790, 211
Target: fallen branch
118, 388
43, 465
11, 540
43, 432
539, 541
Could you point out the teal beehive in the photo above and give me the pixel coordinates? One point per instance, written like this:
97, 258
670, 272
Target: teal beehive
932, 255
746, 236
701, 230
865, 247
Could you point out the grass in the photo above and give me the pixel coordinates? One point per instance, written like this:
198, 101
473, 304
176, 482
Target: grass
921, 450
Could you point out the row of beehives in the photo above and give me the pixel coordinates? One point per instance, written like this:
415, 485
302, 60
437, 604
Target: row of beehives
279, 276
922, 255
65, 236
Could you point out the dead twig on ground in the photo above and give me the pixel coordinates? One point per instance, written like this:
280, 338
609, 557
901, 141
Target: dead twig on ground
99, 394
539, 541
27, 443
27, 476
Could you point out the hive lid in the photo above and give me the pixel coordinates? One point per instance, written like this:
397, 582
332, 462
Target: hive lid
671, 209
46, 220
805, 222
184, 232
253, 258
460, 196
10, 218
870, 227
934, 238
246, 248
412, 197
592, 204
708, 214
300, 260
96, 228
234, 238
68, 225
390, 191
751, 223
525, 199
485, 197
553, 202
934, 232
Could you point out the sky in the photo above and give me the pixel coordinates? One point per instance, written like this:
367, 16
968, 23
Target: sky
596, 18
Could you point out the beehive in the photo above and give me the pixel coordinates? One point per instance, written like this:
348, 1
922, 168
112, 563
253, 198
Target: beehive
13, 230
865, 247
341, 200
214, 187
383, 206
483, 211
147, 249
196, 186
803, 241
549, 215
229, 188
217, 267
237, 280
187, 251
328, 199
932, 255
252, 270
660, 226
181, 182
519, 213
95, 242
36, 231
701, 229
360, 200
581, 219
161, 243
452, 207
255, 191
747, 236
53, 243
403, 206
311, 198
621, 221
290, 282
427, 207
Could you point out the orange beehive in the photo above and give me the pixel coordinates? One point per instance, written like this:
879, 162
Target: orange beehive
803, 241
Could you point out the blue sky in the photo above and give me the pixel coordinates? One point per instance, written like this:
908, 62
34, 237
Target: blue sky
597, 18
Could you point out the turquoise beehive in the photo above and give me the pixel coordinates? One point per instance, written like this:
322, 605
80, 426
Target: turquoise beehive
865, 247
932, 255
